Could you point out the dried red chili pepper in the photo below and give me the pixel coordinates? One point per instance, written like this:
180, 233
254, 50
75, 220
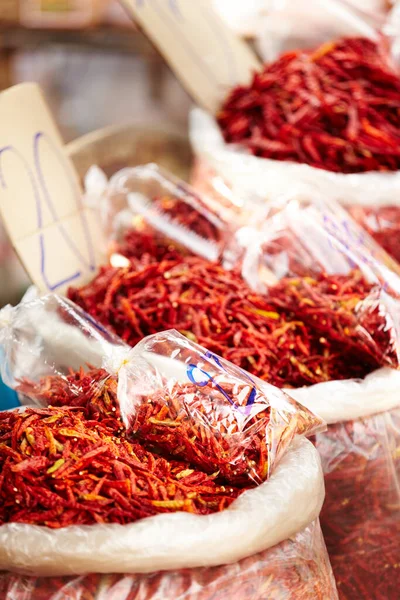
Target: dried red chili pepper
188, 424
333, 306
382, 223
296, 569
59, 469
262, 335
92, 390
220, 426
335, 108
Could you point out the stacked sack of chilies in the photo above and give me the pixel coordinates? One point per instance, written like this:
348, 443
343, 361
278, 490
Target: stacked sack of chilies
163, 453
301, 297
162, 471
321, 123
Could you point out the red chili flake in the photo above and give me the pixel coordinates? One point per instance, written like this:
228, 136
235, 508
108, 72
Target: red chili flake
382, 223
335, 108
295, 569
263, 335
92, 477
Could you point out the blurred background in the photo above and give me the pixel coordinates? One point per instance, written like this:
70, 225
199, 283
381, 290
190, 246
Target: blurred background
101, 75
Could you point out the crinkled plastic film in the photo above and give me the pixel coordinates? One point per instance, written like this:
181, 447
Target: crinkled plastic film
145, 209
205, 410
361, 515
296, 569
50, 336
311, 251
289, 26
382, 223
304, 234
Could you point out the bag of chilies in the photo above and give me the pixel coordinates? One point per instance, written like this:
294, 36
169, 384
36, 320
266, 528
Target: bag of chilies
323, 113
137, 460
346, 290
146, 211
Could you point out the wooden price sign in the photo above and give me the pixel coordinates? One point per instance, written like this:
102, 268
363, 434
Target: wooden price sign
58, 240
204, 53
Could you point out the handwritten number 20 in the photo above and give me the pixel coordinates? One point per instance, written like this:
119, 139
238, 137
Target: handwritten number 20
41, 193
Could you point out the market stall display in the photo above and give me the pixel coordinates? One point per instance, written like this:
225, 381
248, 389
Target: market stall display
319, 310
161, 448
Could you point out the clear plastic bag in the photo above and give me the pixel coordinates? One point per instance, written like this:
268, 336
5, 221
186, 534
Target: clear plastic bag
361, 515
312, 260
296, 569
302, 234
147, 210
292, 25
50, 336
205, 410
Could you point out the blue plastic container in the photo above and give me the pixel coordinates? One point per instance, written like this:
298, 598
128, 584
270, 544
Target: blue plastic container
8, 398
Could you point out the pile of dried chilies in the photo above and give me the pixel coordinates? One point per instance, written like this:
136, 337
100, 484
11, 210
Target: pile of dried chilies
196, 424
334, 108
304, 332
59, 468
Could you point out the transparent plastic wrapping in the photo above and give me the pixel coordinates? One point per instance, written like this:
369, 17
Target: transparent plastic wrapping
311, 259
296, 569
203, 409
292, 25
303, 234
381, 222
52, 336
361, 515
147, 210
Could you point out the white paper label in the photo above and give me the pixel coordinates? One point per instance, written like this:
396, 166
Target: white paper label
205, 54
58, 240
